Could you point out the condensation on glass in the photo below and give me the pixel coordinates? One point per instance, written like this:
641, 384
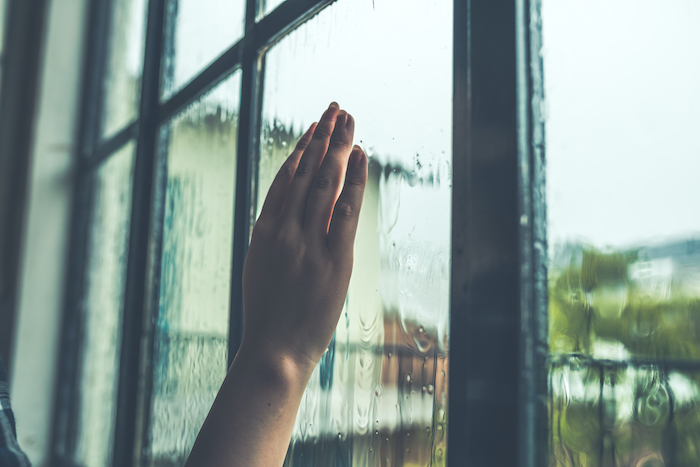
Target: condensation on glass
122, 79
622, 118
379, 394
191, 328
101, 308
196, 33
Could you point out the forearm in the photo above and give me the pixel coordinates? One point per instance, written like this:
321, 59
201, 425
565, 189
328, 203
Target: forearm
251, 421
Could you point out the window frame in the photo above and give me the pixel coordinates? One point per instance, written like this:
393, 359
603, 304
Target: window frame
497, 365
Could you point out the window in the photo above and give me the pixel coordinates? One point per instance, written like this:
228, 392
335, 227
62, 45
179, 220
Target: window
491, 319
189, 109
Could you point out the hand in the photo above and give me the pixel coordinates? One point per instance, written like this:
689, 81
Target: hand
295, 280
298, 268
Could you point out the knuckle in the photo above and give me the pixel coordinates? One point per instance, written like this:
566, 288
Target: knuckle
339, 143
287, 243
302, 169
355, 181
287, 170
325, 182
344, 209
322, 132
302, 143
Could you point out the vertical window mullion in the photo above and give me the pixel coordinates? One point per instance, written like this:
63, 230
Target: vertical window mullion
100, 27
532, 405
66, 402
135, 294
485, 289
248, 131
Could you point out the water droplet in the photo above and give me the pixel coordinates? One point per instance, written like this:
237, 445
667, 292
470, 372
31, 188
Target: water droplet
439, 452
378, 392
408, 378
431, 388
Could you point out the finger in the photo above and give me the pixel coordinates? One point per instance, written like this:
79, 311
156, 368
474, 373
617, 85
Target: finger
274, 201
329, 179
295, 203
346, 214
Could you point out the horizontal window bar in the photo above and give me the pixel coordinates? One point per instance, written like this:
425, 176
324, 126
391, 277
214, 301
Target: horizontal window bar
211, 76
110, 146
669, 364
284, 19
260, 36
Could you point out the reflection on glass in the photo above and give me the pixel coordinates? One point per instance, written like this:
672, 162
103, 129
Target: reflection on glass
197, 32
122, 81
102, 308
191, 334
623, 233
379, 395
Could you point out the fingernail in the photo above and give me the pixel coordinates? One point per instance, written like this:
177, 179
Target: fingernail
356, 155
334, 105
342, 118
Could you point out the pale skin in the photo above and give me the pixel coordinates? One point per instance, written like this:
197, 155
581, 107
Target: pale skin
295, 280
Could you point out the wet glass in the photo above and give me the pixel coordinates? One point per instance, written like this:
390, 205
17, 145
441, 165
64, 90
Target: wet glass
196, 33
122, 80
379, 394
191, 328
101, 308
622, 111
607, 413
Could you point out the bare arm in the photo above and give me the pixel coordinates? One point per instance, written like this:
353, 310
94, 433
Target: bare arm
295, 280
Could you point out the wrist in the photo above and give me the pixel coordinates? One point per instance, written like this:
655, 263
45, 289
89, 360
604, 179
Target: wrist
275, 366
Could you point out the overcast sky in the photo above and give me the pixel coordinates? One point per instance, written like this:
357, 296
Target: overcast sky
622, 81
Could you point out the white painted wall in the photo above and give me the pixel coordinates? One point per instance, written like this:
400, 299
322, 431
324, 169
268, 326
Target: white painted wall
44, 254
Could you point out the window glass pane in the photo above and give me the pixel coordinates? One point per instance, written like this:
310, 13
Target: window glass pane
197, 32
191, 335
378, 396
102, 308
122, 81
623, 108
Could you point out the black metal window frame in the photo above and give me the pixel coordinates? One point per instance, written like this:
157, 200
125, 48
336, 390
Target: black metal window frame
497, 382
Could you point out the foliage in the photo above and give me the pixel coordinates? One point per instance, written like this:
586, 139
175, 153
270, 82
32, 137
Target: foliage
611, 329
